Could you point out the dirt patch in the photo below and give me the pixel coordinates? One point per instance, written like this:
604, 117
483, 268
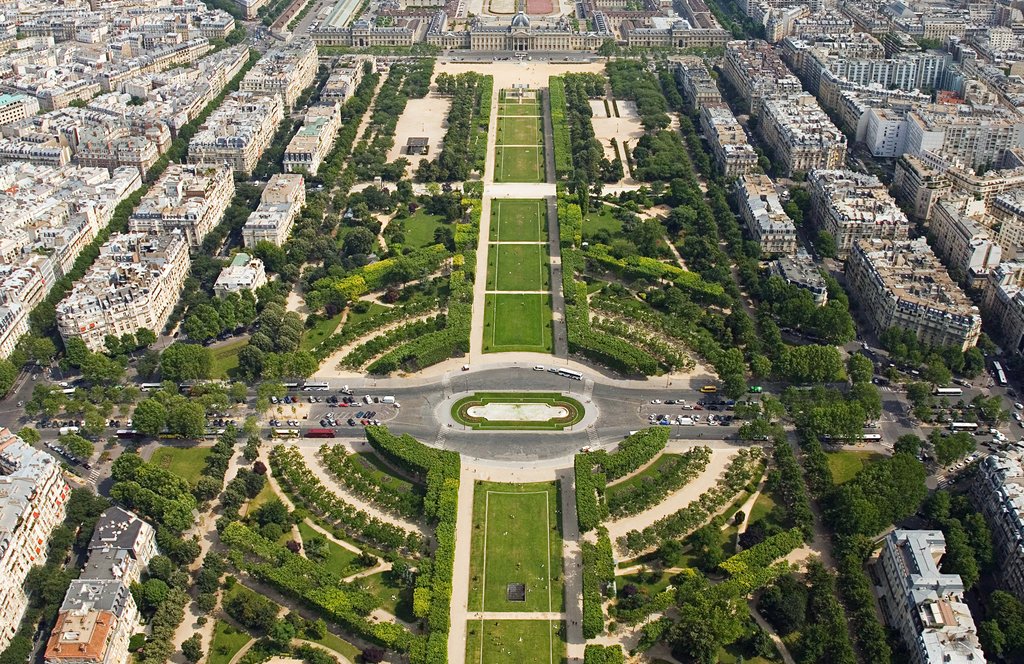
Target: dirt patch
626, 128
427, 118
540, 7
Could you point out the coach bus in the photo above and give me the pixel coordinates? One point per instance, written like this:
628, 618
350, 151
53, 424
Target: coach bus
1000, 375
963, 426
127, 434
286, 433
320, 433
569, 373
146, 387
290, 386
948, 392
315, 387
864, 437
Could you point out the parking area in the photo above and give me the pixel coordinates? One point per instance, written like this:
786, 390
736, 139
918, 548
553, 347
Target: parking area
709, 410
332, 411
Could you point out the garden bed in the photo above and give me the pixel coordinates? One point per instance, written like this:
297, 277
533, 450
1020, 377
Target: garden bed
520, 410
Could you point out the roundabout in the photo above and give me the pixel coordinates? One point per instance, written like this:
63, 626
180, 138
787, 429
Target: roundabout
517, 411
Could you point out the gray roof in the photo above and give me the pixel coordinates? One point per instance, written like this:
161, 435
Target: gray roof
117, 529
97, 595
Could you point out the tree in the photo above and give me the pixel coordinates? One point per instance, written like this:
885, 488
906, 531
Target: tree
153, 593
908, 444
707, 547
30, 435
359, 241
78, 446
826, 244
952, 447
784, 604
859, 369
192, 649
145, 337
150, 417
707, 620
250, 362
252, 610
185, 362
936, 372
148, 364
282, 633
187, 419
98, 368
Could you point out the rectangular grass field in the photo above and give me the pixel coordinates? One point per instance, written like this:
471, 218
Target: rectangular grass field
185, 462
518, 267
519, 164
526, 108
518, 220
506, 641
516, 539
517, 322
517, 130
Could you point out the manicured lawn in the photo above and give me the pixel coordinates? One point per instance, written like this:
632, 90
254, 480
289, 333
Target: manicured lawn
763, 506
519, 165
340, 646
649, 473
507, 641
518, 267
516, 539
322, 329
373, 467
601, 221
393, 598
517, 322
355, 317
225, 359
185, 462
263, 496
514, 108
574, 410
847, 463
518, 220
338, 558
226, 642
420, 227
514, 130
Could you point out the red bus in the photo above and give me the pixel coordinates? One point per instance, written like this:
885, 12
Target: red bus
320, 433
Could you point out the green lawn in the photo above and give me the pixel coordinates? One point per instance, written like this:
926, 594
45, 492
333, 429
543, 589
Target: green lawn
516, 539
649, 473
338, 558
225, 359
763, 506
185, 462
574, 408
322, 329
604, 220
518, 220
526, 108
354, 317
339, 645
517, 130
847, 463
420, 227
518, 267
393, 598
265, 494
517, 322
519, 165
518, 641
226, 642
373, 467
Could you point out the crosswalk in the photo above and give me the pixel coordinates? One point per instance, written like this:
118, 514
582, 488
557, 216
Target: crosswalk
442, 436
592, 436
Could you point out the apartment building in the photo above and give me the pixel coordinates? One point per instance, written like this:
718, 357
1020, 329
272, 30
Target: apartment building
189, 198
17, 107
974, 136
314, 140
1007, 211
800, 270
343, 80
966, 245
695, 81
852, 206
919, 186
285, 70
13, 326
800, 135
755, 70
245, 272
33, 500
134, 283
733, 155
902, 284
99, 614
923, 604
762, 213
280, 204
238, 132
1003, 304
998, 491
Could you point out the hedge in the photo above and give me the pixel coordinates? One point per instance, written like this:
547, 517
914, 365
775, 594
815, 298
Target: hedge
674, 473
633, 452
786, 483
359, 355
595, 654
589, 510
560, 127
749, 567
598, 573
349, 473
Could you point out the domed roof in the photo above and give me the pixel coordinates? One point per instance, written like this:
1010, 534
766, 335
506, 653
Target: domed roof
521, 20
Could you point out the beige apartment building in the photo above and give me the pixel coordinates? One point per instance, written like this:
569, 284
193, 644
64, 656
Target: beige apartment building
280, 204
190, 198
285, 70
314, 140
734, 156
762, 213
238, 132
801, 135
853, 206
33, 500
134, 283
998, 490
1003, 304
963, 241
902, 284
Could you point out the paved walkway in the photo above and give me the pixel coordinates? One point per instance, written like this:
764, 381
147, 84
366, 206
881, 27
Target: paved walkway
460, 577
476, 331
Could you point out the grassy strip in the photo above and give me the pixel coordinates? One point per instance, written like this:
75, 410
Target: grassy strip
554, 399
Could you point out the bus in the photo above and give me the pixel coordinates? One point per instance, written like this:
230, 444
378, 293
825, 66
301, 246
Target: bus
871, 437
129, 434
146, 387
286, 433
569, 373
320, 433
68, 390
864, 437
963, 426
315, 387
997, 369
709, 389
948, 392
290, 386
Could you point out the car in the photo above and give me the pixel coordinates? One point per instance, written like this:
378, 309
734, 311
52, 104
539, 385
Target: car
351, 422
538, 367
1018, 405
655, 401
698, 407
360, 413
1016, 416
